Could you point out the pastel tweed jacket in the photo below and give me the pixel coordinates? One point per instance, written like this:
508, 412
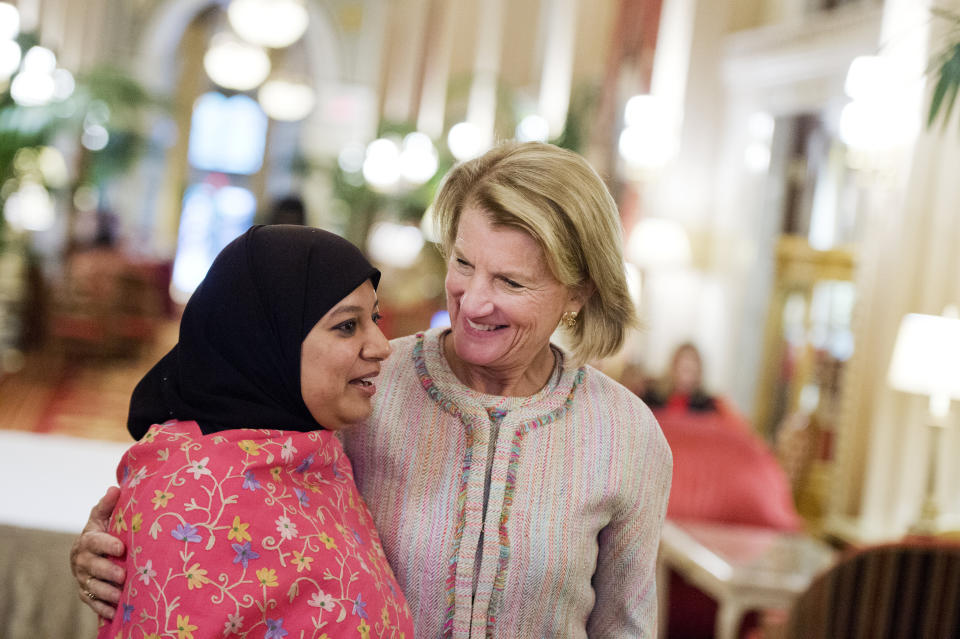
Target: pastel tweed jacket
514, 516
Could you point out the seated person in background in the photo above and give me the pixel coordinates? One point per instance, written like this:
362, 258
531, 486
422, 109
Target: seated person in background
683, 387
723, 472
683, 393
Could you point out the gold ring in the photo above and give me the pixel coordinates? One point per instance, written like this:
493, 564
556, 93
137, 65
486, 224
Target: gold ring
92, 596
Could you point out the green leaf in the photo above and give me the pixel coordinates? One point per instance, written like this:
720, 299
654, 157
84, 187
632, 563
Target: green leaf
948, 83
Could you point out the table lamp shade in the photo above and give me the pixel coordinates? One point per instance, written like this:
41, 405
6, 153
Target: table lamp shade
926, 358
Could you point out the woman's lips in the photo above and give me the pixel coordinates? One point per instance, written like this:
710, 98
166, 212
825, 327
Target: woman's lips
365, 386
481, 328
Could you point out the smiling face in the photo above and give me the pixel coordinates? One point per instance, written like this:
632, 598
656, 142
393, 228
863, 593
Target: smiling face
339, 357
504, 302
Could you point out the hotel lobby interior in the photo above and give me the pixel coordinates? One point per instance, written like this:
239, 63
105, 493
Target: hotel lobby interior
786, 177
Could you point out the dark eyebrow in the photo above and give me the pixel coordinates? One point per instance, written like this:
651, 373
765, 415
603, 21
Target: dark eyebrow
350, 310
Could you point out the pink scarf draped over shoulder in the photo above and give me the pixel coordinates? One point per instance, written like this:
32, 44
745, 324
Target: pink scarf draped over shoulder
245, 532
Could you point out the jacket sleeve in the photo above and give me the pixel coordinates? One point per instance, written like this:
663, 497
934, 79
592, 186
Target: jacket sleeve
625, 577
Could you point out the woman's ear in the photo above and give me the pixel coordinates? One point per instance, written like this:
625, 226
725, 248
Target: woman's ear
579, 295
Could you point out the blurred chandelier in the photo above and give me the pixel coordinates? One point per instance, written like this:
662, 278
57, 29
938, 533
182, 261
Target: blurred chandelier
269, 23
235, 64
238, 60
286, 100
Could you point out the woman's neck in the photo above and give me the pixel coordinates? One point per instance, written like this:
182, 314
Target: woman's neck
508, 381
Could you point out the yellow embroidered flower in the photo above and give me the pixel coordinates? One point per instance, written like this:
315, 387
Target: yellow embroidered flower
275, 471
152, 635
160, 499
184, 627
267, 577
119, 525
137, 522
150, 436
238, 531
249, 446
364, 629
327, 541
195, 577
301, 561
385, 616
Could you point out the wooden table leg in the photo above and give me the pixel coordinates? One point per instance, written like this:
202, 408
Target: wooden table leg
729, 616
663, 597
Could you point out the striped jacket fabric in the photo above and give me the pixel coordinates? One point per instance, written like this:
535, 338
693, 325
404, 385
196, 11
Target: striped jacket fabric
514, 516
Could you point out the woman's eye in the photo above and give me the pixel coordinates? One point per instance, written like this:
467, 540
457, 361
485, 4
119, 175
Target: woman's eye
512, 284
462, 262
376, 318
347, 328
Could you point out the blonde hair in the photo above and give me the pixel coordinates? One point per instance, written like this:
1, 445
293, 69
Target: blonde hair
555, 196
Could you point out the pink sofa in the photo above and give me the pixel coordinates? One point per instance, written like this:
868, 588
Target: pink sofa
722, 472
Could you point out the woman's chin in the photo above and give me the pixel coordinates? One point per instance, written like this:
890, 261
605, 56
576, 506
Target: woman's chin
346, 422
471, 355
479, 348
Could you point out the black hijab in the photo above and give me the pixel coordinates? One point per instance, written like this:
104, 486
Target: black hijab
237, 364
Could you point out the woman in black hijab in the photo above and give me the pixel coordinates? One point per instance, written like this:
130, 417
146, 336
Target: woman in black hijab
238, 505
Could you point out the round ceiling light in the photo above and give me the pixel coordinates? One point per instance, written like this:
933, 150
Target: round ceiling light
9, 21
269, 23
234, 64
286, 100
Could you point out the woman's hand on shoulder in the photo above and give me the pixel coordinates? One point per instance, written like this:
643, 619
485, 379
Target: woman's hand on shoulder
97, 576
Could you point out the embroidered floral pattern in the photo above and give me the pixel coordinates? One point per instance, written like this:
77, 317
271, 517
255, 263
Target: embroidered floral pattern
252, 533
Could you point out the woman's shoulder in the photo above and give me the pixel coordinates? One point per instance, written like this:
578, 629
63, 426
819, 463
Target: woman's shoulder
629, 423
615, 400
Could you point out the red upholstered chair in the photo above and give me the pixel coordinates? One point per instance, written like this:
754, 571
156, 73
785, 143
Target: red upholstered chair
909, 589
722, 472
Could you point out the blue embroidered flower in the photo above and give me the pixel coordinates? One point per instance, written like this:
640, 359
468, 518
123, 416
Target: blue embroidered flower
305, 464
302, 496
275, 629
249, 482
359, 607
244, 554
356, 535
336, 473
127, 612
185, 532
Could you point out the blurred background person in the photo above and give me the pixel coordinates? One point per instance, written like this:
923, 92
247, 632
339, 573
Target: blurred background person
288, 210
682, 387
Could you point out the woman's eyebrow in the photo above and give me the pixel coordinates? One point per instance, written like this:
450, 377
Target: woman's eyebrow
353, 309
346, 310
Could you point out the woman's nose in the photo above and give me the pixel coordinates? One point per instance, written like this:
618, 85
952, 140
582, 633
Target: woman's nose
475, 300
377, 347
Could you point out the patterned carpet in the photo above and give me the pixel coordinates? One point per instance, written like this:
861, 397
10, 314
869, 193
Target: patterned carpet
79, 397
